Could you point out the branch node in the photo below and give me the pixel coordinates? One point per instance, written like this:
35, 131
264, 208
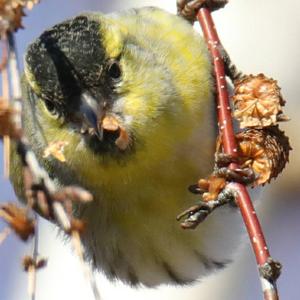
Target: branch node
270, 270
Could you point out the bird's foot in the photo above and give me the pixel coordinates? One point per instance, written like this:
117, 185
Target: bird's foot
211, 187
244, 175
214, 191
196, 214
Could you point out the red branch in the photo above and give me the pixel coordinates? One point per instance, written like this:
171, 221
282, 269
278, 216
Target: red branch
230, 147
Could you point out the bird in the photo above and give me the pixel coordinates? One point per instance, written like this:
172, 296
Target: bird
131, 94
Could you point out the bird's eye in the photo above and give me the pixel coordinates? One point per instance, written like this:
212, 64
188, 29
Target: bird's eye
50, 106
114, 70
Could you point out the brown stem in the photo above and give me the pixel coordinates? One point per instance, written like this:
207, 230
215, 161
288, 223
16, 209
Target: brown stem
230, 147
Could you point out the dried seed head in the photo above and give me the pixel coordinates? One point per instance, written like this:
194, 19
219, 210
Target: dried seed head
56, 149
213, 185
7, 126
18, 220
24, 3
28, 261
77, 225
30, 3
11, 13
265, 150
258, 101
41, 263
73, 193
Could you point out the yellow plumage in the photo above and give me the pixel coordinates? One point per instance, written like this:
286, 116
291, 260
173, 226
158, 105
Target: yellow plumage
164, 100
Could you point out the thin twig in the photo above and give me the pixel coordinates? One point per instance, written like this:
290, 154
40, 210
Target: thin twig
86, 269
31, 282
40, 189
4, 234
5, 93
32, 269
230, 147
4, 57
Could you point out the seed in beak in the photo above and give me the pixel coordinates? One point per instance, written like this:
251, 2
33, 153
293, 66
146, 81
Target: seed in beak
109, 123
123, 141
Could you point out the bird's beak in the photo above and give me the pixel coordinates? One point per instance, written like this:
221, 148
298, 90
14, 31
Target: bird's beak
95, 117
92, 114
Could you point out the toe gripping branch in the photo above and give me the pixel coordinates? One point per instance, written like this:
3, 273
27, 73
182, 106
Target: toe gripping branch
198, 213
214, 191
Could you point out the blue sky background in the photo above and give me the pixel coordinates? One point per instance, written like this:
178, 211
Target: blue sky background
260, 37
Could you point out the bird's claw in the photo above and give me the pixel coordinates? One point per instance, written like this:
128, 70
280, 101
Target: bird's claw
195, 189
194, 215
243, 175
223, 159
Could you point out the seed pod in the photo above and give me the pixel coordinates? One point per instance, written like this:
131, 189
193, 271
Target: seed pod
56, 149
77, 225
258, 101
11, 13
18, 220
214, 185
29, 261
265, 150
7, 126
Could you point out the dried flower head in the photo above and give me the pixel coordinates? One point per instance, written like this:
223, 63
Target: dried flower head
11, 13
213, 186
29, 262
56, 149
210, 188
77, 225
18, 220
7, 126
265, 150
258, 101
24, 3
73, 193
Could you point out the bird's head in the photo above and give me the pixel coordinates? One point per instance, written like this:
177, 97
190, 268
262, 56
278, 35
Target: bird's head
94, 78
112, 86
77, 84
